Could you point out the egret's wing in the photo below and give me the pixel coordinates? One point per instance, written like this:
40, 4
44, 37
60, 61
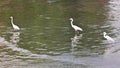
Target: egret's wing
78, 28
109, 38
16, 27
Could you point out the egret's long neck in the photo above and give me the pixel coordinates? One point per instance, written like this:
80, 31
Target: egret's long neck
104, 35
71, 22
12, 21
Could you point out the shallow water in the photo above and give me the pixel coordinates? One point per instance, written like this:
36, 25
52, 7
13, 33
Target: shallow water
47, 40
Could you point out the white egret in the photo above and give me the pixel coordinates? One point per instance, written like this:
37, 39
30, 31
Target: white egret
76, 28
15, 27
108, 37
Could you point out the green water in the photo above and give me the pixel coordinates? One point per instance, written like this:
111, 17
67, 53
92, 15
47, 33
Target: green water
46, 32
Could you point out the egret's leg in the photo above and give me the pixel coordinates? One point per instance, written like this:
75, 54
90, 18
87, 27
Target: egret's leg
77, 32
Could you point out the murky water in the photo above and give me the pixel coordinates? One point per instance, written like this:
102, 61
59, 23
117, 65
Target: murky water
47, 40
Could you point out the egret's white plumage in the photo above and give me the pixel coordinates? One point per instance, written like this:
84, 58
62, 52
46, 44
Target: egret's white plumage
76, 28
15, 27
107, 37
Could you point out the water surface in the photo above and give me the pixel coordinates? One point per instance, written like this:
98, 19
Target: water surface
47, 40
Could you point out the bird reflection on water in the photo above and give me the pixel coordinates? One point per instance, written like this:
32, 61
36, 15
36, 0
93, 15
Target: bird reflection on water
75, 40
15, 37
